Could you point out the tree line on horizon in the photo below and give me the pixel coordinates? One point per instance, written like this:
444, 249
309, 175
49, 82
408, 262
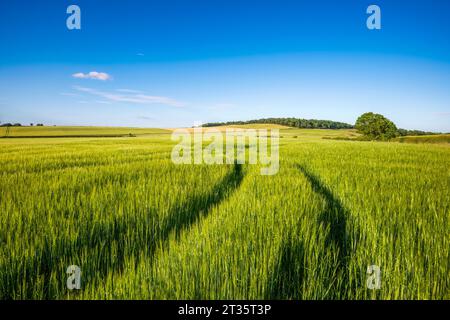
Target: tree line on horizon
290, 122
8, 124
376, 120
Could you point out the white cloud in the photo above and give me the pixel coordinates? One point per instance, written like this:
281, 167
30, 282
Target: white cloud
92, 75
132, 98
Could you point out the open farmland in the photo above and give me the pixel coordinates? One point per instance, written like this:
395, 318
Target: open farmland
140, 226
439, 138
61, 132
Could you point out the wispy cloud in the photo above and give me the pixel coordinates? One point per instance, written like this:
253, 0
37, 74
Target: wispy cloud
128, 91
92, 75
140, 54
131, 97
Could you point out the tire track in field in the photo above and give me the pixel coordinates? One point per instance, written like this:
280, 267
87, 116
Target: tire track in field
183, 216
335, 217
289, 272
112, 233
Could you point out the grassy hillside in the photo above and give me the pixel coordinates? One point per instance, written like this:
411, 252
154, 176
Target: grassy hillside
289, 122
140, 226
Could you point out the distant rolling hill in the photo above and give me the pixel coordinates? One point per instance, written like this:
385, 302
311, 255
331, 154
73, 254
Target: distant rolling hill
287, 122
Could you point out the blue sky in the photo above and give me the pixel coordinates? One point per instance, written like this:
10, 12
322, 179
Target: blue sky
172, 63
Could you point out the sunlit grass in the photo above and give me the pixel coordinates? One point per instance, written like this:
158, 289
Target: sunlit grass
141, 227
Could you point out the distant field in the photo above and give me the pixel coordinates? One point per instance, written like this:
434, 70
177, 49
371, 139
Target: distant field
140, 226
76, 131
256, 126
442, 138
319, 133
288, 132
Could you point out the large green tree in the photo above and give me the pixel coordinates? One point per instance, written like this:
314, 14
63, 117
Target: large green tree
376, 127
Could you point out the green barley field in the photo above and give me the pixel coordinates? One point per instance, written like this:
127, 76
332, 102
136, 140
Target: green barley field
111, 201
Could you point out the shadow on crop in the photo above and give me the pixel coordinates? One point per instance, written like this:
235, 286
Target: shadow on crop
186, 214
334, 215
334, 218
287, 277
107, 245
